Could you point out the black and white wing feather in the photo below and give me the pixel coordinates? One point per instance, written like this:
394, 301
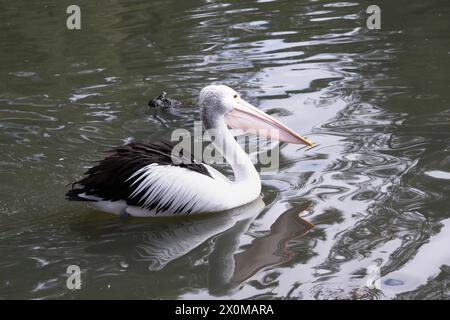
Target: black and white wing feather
144, 176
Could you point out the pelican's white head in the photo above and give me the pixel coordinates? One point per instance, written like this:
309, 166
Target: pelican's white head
215, 102
219, 103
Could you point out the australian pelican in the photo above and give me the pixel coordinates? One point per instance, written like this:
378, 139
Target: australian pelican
143, 180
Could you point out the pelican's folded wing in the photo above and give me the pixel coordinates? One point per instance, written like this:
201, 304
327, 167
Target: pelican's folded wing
146, 176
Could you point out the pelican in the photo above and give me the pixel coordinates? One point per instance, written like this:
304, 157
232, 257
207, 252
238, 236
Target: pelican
142, 180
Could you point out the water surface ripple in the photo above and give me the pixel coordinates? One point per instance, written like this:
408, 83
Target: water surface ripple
376, 186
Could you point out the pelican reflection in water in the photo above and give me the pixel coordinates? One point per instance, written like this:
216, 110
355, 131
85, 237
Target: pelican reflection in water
157, 243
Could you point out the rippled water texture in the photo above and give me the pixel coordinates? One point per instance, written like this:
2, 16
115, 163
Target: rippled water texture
376, 187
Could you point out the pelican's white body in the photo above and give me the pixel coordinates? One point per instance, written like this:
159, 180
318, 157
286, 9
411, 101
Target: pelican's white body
201, 193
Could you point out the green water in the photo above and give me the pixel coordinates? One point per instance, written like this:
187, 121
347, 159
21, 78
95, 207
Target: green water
377, 103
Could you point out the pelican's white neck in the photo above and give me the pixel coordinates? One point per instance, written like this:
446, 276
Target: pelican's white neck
243, 168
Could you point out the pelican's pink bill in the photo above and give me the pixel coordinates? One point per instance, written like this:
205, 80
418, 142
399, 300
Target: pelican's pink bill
245, 116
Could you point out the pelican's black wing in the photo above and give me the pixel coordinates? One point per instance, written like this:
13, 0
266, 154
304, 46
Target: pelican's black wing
112, 178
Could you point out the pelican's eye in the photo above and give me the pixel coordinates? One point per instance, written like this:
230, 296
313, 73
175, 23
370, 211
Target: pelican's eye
235, 96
